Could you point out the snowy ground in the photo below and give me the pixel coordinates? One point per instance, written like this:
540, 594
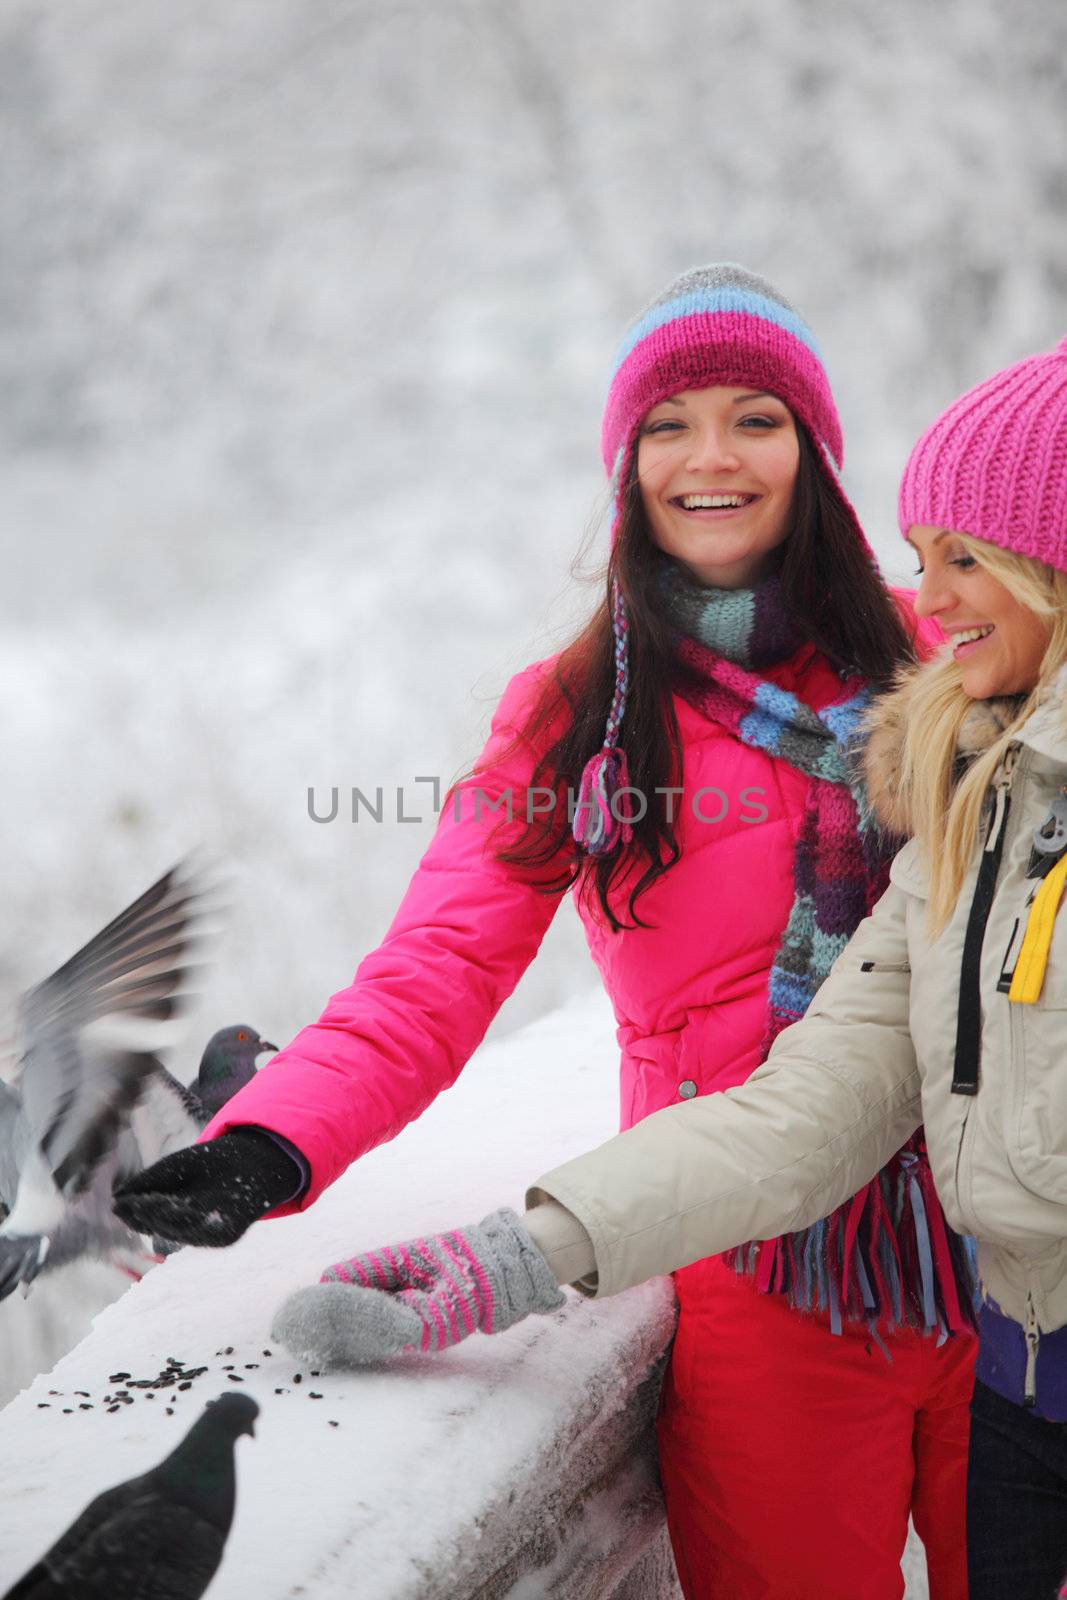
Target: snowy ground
520, 1463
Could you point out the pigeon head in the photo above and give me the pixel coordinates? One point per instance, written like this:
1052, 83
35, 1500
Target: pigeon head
199, 1472
228, 1063
235, 1413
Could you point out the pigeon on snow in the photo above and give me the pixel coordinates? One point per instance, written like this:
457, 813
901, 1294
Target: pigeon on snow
157, 1537
88, 1040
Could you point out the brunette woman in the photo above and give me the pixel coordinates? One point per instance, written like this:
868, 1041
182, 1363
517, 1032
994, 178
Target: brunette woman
722, 851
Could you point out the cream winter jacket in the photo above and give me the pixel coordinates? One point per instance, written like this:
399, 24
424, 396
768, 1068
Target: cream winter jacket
842, 1090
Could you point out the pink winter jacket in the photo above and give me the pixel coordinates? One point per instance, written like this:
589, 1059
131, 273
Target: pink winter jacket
689, 992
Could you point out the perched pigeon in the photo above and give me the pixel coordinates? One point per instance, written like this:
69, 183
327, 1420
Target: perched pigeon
157, 1537
88, 1041
173, 1114
227, 1064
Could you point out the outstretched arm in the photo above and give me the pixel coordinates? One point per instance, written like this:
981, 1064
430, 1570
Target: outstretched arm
836, 1098
416, 1010
420, 1004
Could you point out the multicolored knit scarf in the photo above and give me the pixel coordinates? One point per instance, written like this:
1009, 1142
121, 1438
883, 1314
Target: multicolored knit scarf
887, 1256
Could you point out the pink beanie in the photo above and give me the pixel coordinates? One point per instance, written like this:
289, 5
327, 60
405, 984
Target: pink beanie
994, 464
718, 324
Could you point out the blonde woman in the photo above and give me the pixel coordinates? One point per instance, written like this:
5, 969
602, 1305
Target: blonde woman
947, 1008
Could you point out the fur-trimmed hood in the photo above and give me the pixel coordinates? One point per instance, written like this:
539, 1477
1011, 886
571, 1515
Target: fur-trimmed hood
890, 715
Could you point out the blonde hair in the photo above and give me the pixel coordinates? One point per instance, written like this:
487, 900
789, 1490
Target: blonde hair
946, 808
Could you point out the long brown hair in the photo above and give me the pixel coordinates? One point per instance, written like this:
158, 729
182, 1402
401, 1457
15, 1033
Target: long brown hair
838, 603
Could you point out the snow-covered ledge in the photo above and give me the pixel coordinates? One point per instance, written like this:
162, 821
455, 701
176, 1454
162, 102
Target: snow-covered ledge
519, 1466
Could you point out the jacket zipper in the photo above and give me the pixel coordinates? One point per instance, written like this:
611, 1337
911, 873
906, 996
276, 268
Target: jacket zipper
1033, 1338
969, 1011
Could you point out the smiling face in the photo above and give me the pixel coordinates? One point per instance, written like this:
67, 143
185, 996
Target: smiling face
999, 642
717, 469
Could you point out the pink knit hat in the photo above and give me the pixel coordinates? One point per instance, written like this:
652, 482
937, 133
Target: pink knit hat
994, 464
718, 324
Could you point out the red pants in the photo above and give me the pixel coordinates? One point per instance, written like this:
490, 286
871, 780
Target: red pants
791, 1458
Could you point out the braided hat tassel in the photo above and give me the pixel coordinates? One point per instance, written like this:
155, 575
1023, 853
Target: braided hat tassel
602, 815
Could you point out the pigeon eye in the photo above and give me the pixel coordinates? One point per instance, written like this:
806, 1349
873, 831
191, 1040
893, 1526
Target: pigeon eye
242, 1036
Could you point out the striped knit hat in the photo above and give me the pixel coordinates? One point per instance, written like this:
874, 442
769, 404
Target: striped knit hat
994, 464
714, 325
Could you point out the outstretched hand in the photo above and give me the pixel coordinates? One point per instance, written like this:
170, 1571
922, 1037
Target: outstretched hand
422, 1295
209, 1194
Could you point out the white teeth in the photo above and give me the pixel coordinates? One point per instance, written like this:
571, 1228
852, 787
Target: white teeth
969, 634
713, 502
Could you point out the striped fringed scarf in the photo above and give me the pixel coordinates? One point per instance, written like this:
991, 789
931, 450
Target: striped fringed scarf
887, 1256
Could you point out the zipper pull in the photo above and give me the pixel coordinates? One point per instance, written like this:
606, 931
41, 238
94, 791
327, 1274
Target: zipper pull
1002, 785
1033, 1339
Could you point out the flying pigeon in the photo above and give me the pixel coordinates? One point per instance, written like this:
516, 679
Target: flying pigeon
88, 1037
157, 1537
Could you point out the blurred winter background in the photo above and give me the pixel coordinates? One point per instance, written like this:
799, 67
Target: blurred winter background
308, 311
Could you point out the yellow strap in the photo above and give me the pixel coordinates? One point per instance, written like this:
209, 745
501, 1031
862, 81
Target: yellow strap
1029, 972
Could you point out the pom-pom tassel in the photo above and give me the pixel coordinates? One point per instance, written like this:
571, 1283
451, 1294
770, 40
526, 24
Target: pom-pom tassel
601, 818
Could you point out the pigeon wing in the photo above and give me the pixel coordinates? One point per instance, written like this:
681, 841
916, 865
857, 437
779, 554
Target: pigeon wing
169, 1117
13, 1141
189, 1098
90, 1029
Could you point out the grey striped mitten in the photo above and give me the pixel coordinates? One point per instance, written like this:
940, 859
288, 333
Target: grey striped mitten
424, 1294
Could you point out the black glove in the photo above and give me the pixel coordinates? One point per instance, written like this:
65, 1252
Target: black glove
210, 1193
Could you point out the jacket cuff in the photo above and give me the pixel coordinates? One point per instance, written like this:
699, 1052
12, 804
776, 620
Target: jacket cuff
300, 1162
563, 1240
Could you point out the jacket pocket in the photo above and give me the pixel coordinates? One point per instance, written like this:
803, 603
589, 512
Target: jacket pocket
651, 1075
1038, 1052
963, 1217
